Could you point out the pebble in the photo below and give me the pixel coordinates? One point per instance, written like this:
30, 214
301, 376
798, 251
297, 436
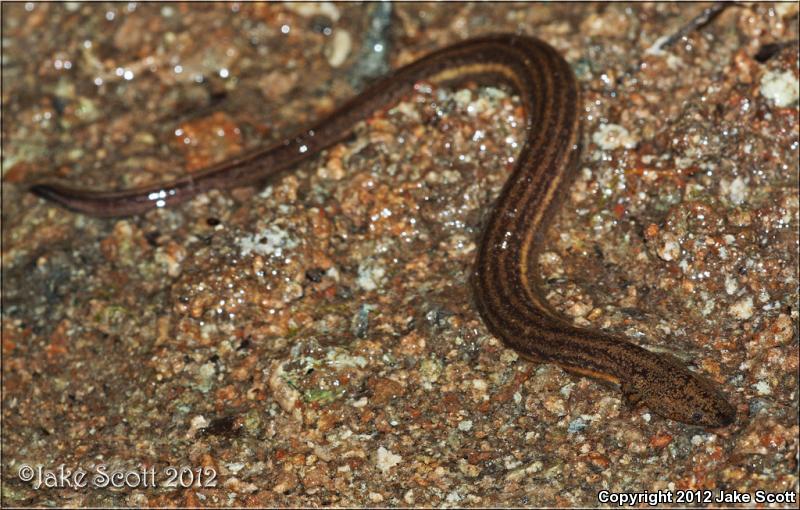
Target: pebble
555, 405
736, 189
552, 265
762, 388
286, 481
370, 275
780, 87
286, 396
731, 285
272, 240
275, 85
743, 308
776, 333
310, 9
197, 422
384, 390
613, 136
611, 23
205, 377
578, 309
338, 48
386, 460
669, 247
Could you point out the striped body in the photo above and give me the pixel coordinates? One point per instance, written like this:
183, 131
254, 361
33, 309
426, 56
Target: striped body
506, 281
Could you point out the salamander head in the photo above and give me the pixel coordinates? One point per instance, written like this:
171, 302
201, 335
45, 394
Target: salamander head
674, 392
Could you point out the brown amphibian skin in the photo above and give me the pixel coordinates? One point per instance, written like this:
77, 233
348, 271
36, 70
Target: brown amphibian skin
507, 291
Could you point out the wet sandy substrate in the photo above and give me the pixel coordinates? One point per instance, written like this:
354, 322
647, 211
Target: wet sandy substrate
314, 341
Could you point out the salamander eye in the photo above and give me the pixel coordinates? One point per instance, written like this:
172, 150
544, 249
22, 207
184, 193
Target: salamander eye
697, 417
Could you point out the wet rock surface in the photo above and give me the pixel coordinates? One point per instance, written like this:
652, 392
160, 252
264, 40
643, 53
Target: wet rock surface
312, 341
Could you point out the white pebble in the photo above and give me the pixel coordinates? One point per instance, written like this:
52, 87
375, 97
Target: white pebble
762, 388
669, 248
387, 460
370, 275
782, 88
613, 136
742, 309
339, 47
731, 285
736, 189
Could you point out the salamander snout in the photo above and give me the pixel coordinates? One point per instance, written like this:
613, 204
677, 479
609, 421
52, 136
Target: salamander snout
674, 392
721, 416
704, 404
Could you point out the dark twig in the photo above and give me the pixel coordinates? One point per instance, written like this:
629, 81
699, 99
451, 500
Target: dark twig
696, 23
